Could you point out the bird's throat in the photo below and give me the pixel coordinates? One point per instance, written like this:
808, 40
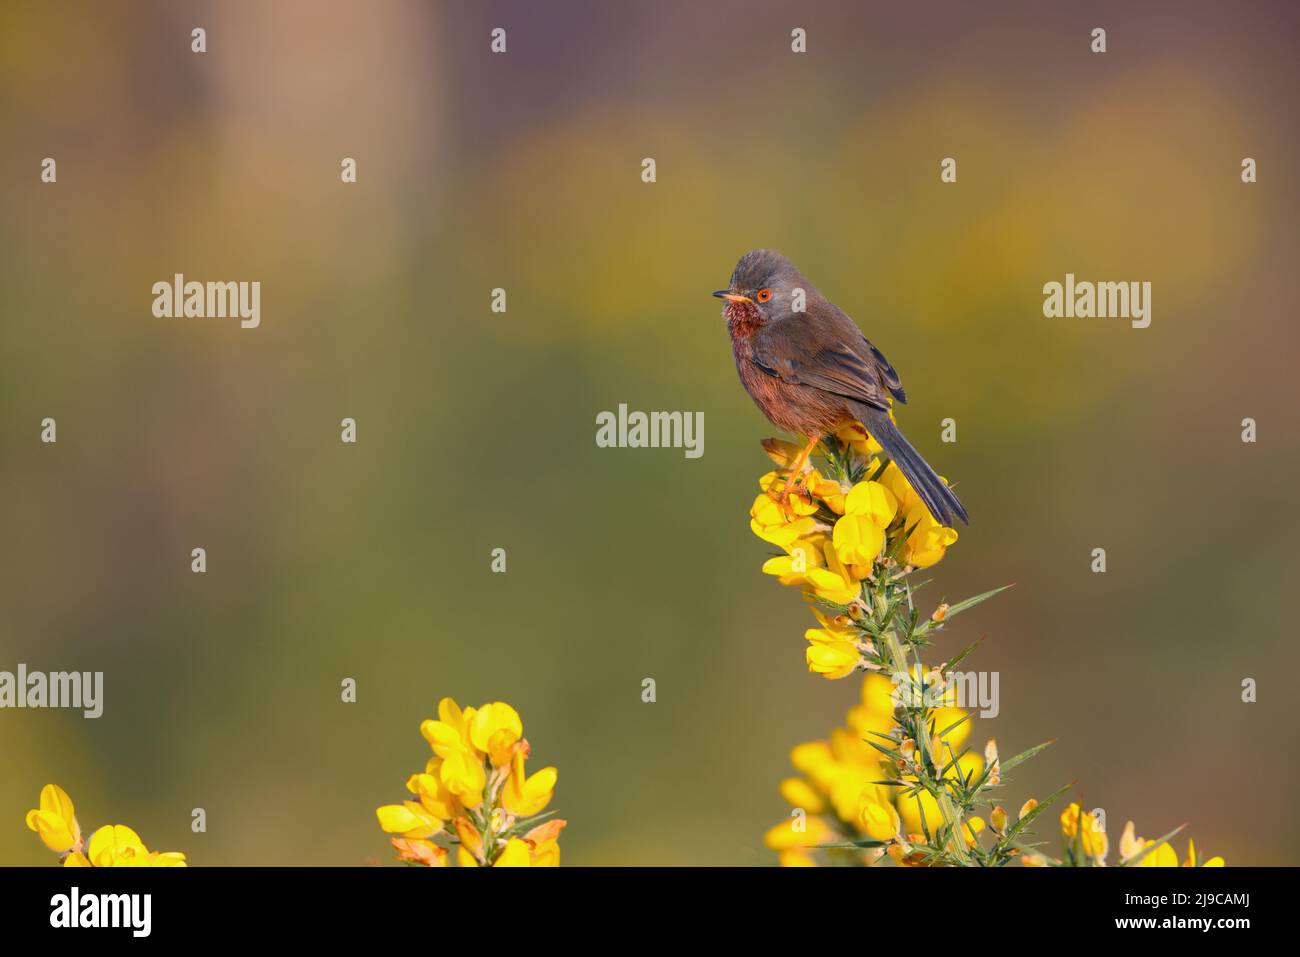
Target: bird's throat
743, 319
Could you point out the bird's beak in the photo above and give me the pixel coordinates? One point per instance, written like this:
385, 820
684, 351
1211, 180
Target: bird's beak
731, 296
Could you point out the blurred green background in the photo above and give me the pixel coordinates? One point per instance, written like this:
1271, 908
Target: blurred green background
476, 429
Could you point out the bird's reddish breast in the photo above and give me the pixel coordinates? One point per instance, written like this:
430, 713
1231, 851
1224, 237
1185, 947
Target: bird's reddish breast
768, 392
790, 406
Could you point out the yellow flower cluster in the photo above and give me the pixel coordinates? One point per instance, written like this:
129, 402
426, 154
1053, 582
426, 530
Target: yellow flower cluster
1085, 831
837, 531
475, 793
838, 797
113, 845
899, 782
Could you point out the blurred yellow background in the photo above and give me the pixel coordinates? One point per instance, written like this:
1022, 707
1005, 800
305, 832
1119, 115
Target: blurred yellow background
476, 429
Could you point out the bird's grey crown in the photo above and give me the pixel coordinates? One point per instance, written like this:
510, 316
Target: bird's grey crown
759, 267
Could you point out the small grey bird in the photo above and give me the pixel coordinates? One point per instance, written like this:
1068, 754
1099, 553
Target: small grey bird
812, 372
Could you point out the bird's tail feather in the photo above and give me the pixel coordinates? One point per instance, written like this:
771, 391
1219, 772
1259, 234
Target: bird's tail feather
938, 497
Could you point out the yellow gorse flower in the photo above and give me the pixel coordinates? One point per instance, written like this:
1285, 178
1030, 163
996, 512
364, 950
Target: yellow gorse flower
856, 437
525, 794
859, 533
929, 540
799, 833
834, 648
879, 819
56, 820
114, 845
1075, 823
475, 794
494, 730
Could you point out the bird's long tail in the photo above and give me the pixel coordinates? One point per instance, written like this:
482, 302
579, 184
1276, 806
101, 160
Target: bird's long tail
938, 498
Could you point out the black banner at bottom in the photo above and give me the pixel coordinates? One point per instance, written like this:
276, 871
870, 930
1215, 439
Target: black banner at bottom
324, 905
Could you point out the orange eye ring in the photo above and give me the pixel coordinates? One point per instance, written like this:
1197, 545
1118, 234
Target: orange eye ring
764, 295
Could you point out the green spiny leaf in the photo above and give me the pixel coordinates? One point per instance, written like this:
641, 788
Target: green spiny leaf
1151, 847
961, 655
1024, 822
961, 606
1010, 763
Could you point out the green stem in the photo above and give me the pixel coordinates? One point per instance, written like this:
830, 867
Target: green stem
956, 842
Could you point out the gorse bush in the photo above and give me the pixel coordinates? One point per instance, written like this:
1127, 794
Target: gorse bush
900, 781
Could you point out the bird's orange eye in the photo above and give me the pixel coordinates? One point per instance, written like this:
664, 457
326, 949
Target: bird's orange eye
764, 295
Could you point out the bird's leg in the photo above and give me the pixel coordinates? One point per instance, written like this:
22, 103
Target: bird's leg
797, 468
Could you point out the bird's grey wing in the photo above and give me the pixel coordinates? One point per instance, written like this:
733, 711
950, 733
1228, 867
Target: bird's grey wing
799, 351
863, 347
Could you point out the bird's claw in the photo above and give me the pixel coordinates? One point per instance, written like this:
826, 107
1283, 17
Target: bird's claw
789, 487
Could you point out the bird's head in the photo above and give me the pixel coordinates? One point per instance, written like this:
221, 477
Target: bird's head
763, 288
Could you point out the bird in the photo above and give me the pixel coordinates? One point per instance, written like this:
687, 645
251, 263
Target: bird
811, 370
